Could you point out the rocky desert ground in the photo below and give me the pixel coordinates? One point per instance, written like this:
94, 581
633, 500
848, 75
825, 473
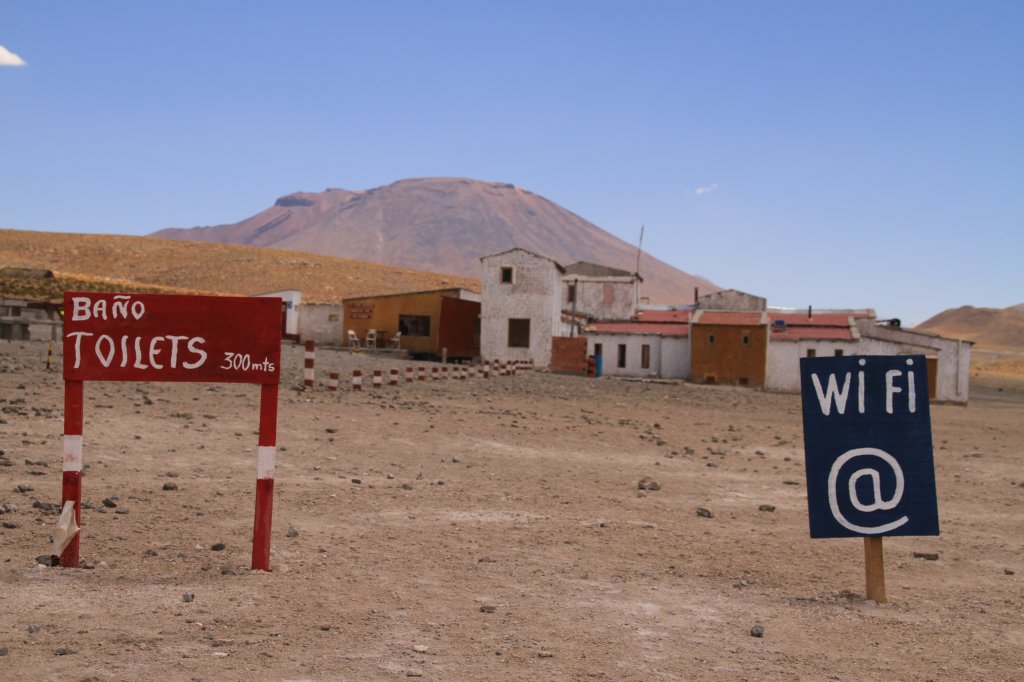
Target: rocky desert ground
488, 530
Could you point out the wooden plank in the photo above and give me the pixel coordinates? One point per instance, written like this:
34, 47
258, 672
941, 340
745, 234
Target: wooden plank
874, 569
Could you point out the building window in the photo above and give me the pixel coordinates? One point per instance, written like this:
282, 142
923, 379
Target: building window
506, 274
598, 350
746, 338
811, 353
333, 317
645, 356
414, 325
711, 339
609, 294
571, 297
622, 355
518, 333
839, 352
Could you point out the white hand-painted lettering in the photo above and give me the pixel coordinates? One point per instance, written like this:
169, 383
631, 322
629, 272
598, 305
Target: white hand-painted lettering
124, 351
139, 364
174, 348
890, 388
832, 393
154, 351
911, 391
78, 346
105, 360
860, 386
194, 345
878, 502
80, 310
137, 350
122, 307
119, 308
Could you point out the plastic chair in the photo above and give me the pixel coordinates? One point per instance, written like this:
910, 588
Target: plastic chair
396, 341
371, 338
353, 340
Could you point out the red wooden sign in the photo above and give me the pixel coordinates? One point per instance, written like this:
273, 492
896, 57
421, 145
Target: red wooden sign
150, 337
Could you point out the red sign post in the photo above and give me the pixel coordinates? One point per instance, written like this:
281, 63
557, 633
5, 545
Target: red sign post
149, 337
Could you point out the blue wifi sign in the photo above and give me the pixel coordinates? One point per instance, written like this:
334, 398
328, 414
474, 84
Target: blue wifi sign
868, 446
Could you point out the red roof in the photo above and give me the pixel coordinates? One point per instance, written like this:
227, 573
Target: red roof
678, 316
730, 318
639, 328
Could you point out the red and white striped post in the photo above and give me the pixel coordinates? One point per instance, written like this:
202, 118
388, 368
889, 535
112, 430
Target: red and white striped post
460, 373
378, 380
71, 483
472, 371
393, 381
486, 369
357, 380
434, 374
444, 372
421, 373
310, 356
332, 381
266, 460
408, 375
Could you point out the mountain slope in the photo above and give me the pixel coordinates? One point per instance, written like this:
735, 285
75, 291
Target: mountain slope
116, 263
442, 225
988, 327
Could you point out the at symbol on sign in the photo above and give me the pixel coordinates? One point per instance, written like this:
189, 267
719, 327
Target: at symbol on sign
879, 502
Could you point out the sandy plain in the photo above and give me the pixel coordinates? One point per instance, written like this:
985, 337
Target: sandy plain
488, 530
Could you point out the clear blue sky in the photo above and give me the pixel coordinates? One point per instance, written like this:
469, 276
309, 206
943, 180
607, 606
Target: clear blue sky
825, 153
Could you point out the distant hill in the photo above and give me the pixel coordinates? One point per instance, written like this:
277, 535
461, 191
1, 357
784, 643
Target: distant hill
145, 264
442, 225
999, 328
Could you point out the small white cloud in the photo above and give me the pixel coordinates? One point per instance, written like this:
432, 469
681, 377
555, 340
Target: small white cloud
704, 190
8, 58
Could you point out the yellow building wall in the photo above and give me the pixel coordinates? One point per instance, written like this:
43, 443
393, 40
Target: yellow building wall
381, 313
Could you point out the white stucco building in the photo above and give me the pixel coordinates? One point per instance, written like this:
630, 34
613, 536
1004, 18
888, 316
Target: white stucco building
527, 299
292, 299
639, 349
600, 292
521, 306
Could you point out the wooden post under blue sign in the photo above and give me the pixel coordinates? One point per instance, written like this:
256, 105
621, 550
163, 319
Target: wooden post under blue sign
868, 449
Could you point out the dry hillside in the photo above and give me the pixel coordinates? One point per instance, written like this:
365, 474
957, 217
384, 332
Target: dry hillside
443, 225
163, 265
996, 328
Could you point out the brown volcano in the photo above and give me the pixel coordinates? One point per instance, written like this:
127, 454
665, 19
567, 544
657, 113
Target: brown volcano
442, 225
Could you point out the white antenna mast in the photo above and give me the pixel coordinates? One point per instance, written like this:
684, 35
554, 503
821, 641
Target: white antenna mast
639, 246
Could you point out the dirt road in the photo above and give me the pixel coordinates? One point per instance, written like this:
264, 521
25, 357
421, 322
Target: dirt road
487, 530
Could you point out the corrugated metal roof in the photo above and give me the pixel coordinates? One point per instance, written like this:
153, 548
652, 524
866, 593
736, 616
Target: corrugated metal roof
639, 328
